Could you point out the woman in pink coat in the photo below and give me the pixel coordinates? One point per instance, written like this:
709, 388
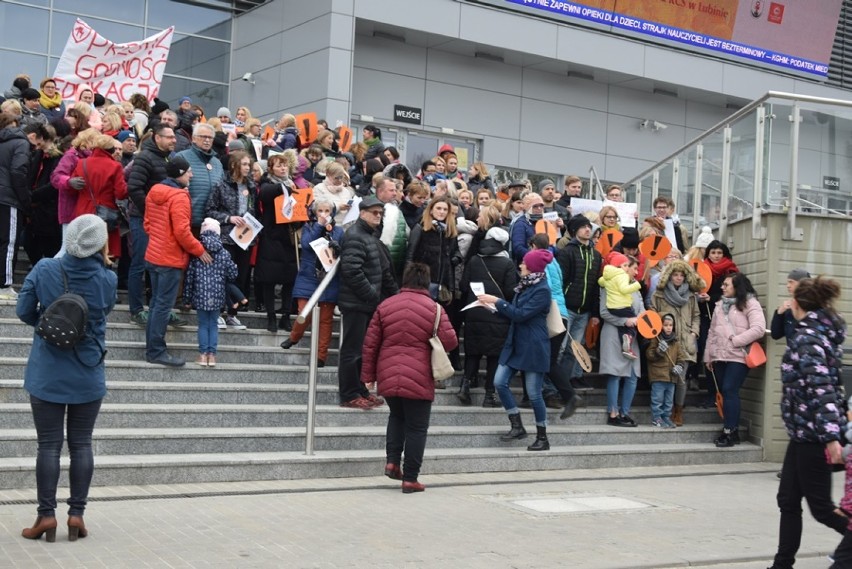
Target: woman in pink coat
397, 355
737, 322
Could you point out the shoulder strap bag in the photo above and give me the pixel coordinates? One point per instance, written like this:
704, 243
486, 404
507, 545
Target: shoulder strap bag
441, 367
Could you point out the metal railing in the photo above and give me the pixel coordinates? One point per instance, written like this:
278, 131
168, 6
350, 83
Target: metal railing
722, 135
595, 184
312, 308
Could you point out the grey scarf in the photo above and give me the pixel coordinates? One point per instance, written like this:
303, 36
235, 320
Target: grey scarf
677, 296
727, 303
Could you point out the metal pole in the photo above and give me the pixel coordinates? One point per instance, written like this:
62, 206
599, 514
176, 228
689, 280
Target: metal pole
312, 381
303, 315
791, 232
724, 204
757, 229
696, 196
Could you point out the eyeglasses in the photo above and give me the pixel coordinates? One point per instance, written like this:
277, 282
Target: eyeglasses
376, 211
537, 206
46, 87
203, 137
610, 217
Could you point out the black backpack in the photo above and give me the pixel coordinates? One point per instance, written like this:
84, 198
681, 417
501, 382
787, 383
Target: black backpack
63, 323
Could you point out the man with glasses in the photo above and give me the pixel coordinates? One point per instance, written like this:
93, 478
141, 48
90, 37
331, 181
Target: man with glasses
149, 168
614, 193
664, 208
366, 279
207, 171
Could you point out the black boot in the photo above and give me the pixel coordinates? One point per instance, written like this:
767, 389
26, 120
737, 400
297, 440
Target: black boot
571, 406
474, 380
284, 323
728, 438
270, 324
464, 391
517, 431
490, 400
541, 442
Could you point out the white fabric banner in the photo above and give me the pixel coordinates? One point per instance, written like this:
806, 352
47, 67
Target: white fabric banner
115, 70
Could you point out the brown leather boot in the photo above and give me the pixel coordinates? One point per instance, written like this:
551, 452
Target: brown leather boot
43, 525
76, 528
677, 415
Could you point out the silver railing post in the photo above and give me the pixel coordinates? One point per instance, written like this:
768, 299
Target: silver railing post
698, 181
725, 190
757, 229
791, 232
312, 382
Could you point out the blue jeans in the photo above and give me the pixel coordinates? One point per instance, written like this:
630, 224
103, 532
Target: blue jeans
627, 393
575, 324
164, 289
208, 331
534, 381
662, 399
49, 418
730, 376
136, 272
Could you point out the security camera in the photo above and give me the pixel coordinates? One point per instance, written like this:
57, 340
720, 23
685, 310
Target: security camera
644, 123
247, 77
660, 126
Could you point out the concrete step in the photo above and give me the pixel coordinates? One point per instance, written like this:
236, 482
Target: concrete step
123, 470
140, 415
118, 441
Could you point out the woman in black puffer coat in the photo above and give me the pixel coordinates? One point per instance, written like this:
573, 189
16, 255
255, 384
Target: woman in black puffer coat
485, 331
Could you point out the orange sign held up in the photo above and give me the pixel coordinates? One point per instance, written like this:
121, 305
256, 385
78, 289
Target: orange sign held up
655, 247
608, 240
268, 133
649, 324
703, 271
345, 141
307, 125
542, 226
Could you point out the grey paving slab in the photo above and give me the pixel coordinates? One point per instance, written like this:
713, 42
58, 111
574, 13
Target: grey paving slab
688, 519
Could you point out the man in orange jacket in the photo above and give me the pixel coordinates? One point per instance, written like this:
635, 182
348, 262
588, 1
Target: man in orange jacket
167, 223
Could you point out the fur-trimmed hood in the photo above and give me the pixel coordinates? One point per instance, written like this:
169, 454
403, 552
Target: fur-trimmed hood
696, 283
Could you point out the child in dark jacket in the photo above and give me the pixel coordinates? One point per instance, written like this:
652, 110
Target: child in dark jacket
205, 287
664, 368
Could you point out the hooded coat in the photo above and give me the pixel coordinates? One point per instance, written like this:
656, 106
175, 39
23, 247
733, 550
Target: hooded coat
167, 215
14, 167
204, 285
687, 317
660, 365
811, 395
397, 354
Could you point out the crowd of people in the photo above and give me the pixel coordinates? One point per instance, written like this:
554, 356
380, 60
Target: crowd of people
182, 194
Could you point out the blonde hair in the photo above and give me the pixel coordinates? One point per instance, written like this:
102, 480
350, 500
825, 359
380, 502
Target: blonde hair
427, 217
335, 169
694, 253
215, 123
466, 191
11, 106
288, 120
480, 168
87, 138
111, 121
252, 122
605, 210
104, 142
488, 216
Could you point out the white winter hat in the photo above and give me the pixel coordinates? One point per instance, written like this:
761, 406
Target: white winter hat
704, 238
498, 234
85, 236
210, 224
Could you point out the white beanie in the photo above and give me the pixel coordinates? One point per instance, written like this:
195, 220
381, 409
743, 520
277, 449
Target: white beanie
210, 224
85, 236
498, 234
705, 237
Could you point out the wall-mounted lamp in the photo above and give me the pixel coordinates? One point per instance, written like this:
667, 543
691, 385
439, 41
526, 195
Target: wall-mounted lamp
247, 77
656, 126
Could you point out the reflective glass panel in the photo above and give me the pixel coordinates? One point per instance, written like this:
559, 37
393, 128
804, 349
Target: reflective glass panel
199, 58
189, 19
132, 11
209, 96
16, 28
13, 63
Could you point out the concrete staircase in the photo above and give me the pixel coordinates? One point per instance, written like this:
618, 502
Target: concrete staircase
245, 419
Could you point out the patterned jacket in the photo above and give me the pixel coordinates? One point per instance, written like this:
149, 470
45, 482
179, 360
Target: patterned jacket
204, 285
810, 374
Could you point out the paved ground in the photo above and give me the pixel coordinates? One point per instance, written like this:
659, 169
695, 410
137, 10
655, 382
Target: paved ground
633, 518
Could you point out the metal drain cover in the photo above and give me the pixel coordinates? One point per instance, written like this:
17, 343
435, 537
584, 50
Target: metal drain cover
571, 505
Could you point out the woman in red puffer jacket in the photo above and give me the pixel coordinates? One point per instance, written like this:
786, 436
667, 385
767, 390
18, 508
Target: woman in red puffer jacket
397, 355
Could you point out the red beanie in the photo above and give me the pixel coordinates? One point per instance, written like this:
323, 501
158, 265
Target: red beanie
616, 259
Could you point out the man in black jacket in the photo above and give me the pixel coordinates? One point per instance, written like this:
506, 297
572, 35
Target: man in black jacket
149, 168
366, 278
581, 267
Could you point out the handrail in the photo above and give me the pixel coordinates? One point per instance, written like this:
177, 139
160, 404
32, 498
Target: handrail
593, 177
735, 117
313, 306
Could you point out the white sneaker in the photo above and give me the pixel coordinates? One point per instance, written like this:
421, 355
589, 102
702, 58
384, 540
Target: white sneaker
220, 323
8, 293
233, 323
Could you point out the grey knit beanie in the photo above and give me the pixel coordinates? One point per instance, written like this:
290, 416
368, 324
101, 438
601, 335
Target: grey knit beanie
85, 236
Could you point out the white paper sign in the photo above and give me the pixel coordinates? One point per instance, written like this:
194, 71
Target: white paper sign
324, 254
670, 232
353, 212
243, 236
230, 128
115, 70
258, 147
477, 288
550, 216
287, 206
582, 205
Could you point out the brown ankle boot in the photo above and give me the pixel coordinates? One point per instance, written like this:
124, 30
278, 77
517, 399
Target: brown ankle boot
677, 415
43, 525
76, 528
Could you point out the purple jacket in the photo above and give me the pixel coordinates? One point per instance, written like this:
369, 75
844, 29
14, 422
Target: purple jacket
59, 180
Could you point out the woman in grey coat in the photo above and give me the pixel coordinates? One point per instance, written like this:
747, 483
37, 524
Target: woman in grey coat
613, 362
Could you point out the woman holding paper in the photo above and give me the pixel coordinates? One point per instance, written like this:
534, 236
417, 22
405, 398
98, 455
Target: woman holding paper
282, 209
321, 228
335, 189
228, 203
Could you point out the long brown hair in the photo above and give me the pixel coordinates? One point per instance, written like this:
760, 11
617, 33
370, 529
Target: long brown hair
451, 221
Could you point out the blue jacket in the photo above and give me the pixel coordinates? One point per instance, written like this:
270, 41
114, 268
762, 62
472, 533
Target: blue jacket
204, 180
54, 374
307, 281
521, 231
554, 280
527, 346
204, 285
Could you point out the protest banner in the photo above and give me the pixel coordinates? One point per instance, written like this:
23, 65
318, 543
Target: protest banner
115, 70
